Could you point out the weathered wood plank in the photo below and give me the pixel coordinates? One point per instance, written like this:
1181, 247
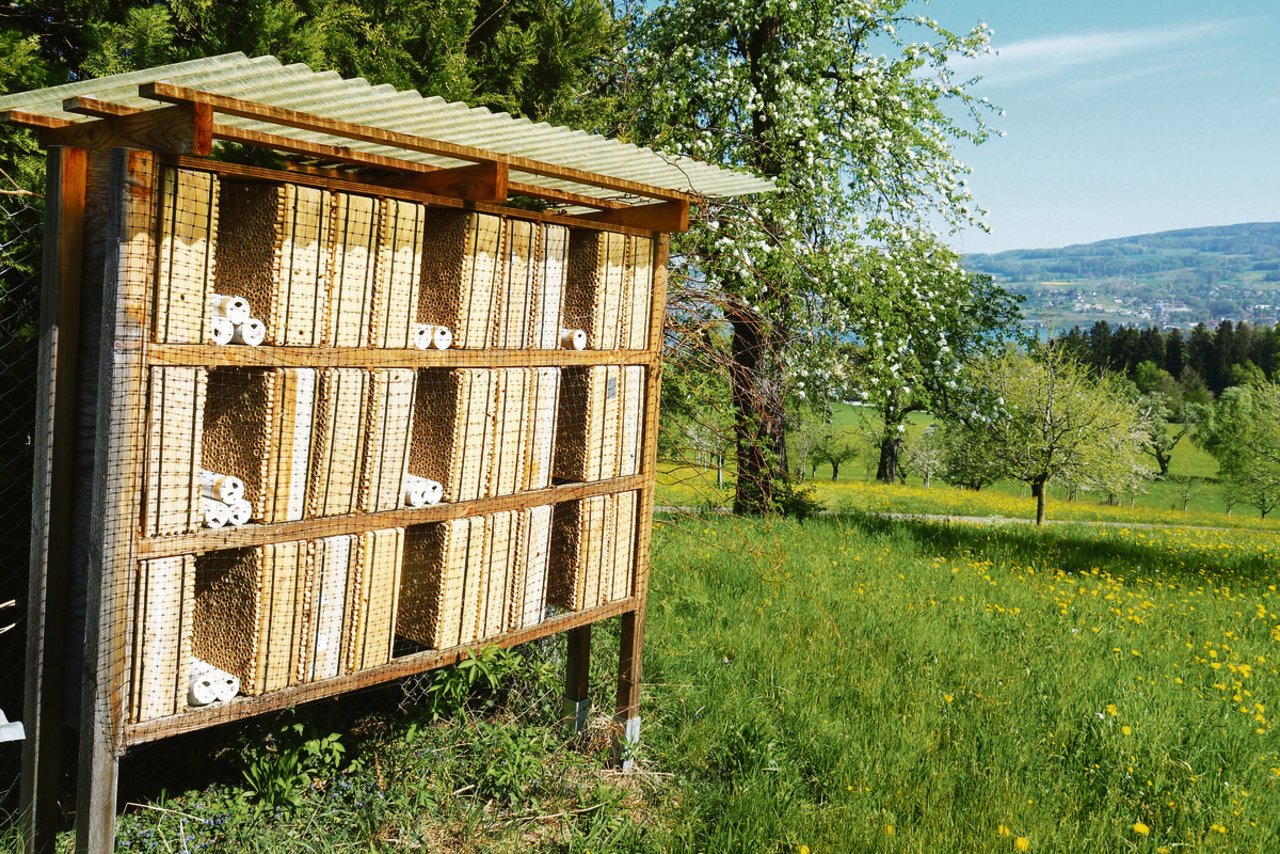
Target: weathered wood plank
53, 488
398, 668
577, 679
128, 270
181, 129
663, 216
319, 357
332, 526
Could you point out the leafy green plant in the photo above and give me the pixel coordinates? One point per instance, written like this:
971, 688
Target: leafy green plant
474, 683
288, 762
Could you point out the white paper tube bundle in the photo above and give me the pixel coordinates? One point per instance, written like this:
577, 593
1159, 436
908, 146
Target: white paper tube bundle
226, 488
422, 491
234, 309
241, 512
428, 337
210, 684
573, 339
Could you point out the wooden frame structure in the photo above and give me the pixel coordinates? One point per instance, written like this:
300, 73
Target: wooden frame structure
97, 349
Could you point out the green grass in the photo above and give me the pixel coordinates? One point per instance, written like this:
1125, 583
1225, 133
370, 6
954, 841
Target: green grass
823, 684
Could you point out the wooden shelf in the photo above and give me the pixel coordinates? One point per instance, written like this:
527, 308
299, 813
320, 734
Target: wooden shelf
331, 526
239, 356
398, 668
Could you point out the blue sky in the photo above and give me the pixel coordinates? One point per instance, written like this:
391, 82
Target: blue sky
1123, 117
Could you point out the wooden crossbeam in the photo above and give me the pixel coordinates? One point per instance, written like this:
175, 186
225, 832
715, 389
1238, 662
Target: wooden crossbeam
169, 93
663, 216
180, 129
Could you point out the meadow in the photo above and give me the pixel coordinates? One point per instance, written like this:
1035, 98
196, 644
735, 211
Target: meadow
847, 683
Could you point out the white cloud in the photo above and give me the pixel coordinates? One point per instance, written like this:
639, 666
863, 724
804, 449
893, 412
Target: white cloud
1053, 56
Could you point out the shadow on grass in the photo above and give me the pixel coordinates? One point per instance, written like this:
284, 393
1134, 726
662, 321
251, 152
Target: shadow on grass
1072, 549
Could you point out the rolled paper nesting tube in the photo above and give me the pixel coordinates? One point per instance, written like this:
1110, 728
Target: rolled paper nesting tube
573, 339
422, 336
422, 491
226, 488
200, 691
442, 338
415, 496
241, 512
251, 332
215, 513
221, 330
235, 309
227, 686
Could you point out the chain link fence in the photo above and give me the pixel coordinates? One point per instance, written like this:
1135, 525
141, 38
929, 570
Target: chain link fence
21, 216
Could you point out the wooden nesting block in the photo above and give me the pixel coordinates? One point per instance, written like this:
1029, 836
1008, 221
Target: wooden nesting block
577, 553
592, 551
396, 293
257, 427
631, 418
519, 266
372, 597
529, 576
353, 254
336, 446
637, 294
274, 250
507, 465
324, 623
453, 424
175, 425
249, 613
586, 442
185, 253
441, 583
593, 290
548, 289
388, 427
540, 427
501, 547
461, 275
164, 609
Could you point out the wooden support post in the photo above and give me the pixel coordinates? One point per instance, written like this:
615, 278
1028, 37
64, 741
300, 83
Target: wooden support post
631, 645
52, 491
577, 679
128, 269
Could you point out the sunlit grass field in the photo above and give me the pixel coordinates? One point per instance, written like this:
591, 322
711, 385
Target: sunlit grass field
852, 683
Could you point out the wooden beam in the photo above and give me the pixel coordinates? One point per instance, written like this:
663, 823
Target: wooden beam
181, 129
161, 91
33, 120
484, 182
398, 668
53, 489
129, 266
332, 526
236, 356
577, 680
664, 216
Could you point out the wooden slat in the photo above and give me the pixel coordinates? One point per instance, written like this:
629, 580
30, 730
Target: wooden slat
32, 120
161, 91
577, 676
631, 641
237, 356
663, 216
394, 190
257, 535
117, 485
484, 182
53, 488
398, 668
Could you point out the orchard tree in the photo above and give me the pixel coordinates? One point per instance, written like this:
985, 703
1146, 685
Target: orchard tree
1053, 419
852, 107
1242, 432
966, 457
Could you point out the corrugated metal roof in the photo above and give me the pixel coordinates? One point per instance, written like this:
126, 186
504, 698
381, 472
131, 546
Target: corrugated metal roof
264, 80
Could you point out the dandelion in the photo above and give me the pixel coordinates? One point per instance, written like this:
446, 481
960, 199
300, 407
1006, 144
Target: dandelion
1022, 843
1126, 730
1112, 710
888, 830
948, 697
803, 849
1140, 828
1003, 830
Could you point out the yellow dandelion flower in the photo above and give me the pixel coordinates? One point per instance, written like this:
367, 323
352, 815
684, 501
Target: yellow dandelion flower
803, 849
889, 830
1140, 828
1126, 729
1022, 843
1218, 827
948, 697
1003, 830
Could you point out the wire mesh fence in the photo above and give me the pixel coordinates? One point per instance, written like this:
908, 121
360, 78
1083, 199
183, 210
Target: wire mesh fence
21, 213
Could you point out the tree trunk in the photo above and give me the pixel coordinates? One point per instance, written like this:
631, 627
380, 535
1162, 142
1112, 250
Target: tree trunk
890, 450
758, 410
1162, 460
719, 471
835, 470
1038, 489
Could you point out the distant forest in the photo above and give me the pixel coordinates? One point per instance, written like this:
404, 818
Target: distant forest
1202, 361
